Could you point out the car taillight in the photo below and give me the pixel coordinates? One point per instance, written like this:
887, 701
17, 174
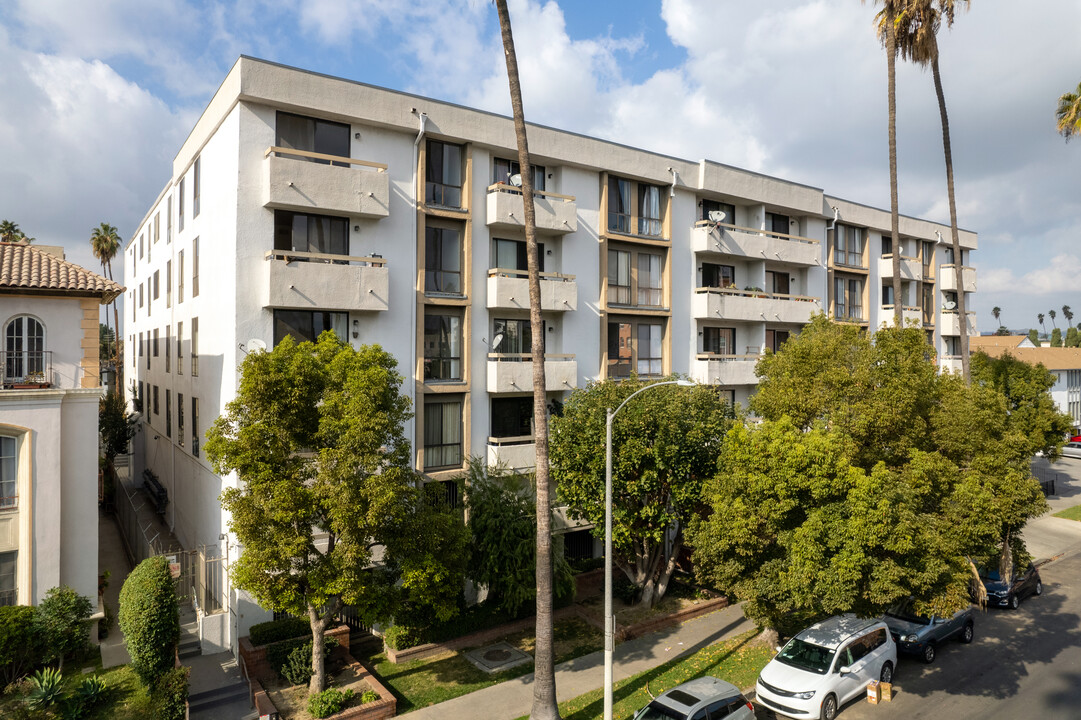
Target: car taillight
750, 706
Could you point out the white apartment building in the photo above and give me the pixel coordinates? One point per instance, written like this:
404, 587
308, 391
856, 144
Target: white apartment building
302, 202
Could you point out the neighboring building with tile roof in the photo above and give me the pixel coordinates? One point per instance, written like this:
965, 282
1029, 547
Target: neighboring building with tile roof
979, 342
49, 395
1064, 363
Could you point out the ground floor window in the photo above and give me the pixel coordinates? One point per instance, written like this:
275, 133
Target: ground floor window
9, 562
306, 326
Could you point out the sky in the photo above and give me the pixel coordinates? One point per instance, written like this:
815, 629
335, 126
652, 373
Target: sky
99, 96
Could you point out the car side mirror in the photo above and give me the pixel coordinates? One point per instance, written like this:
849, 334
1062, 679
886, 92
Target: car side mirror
844, 670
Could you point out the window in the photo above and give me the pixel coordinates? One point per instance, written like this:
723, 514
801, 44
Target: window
619, 277
948, 255
168, 347
511, 255
180, 418
442, 433
311, 233
847, 298
848, 246
140, 294
650, 290
195, 347
195, 426
777, 223
9, 480
776, 338
9, 594
179, 348
928, 304
443, 174
154, 394
442, 347
719, 341
718, 276
620, 350
195, 267
195, 185
157, 226
131, 299
729, 210
307, 326
650, 349
142, 347
179, 207
169, 283
297, 132
443, 260
619, 205
778, 282
887, 245
927, 255
517, 336
887, 294
649, 210
169, 219
155, 343
142, 240
953, 345
512, 417
168, 413
24, 350
180, 277
503, 169
156, 285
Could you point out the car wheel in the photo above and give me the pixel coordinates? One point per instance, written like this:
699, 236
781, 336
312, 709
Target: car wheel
829, 708
886, 675
928, 653
1039, 588
1014, 602
967, 633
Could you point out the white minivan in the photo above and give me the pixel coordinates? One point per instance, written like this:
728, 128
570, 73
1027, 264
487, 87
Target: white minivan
825, 666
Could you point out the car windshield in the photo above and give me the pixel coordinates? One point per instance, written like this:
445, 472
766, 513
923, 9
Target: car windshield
992, 575
805, 656
656, 711
903, 611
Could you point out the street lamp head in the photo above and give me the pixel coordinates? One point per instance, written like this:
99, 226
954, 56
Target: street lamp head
685, 383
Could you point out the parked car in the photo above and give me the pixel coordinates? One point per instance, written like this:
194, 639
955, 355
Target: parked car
921, 635
1000, 593
1071, 449
704, 698
825, 666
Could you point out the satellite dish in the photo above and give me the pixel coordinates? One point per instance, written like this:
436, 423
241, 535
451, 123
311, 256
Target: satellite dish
256, 345
949, 305
717, 216
497, 340
516, 180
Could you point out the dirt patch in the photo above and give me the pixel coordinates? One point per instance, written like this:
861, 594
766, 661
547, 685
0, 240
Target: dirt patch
292, 700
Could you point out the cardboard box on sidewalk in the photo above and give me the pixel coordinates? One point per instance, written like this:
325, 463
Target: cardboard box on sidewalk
874, 692
887, 691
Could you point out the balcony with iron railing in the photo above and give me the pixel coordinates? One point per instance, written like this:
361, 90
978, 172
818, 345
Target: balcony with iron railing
305, 181
325, 281
27, 369
513, 372
727, 239
555, 214
509, 290
711, 303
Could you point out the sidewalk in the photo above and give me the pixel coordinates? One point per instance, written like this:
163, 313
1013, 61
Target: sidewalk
514, 698
1048, 536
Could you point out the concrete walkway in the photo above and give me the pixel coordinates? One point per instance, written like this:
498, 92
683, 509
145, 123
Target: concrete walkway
112, 557
513, 698
1049, 536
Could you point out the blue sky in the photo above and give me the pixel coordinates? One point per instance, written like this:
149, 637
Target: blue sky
99, 96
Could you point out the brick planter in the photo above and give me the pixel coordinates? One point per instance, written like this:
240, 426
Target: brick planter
385, 707
255, 660
694, 611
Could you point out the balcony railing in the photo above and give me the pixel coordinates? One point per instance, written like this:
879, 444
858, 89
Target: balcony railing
553, 213
325, 281
306, 181
32, 368
509, 288
9, 502
335, 160
515, 190
329, 258
736, 292
757, 231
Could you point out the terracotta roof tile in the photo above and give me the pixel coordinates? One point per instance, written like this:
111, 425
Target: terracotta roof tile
24, 267
1053, 358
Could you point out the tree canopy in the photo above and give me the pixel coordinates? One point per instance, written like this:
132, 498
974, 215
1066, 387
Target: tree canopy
665, 443
327, 505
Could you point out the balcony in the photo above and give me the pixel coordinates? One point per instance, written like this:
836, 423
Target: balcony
949, 363
555, 214
710, 303
27, 369
911, 268
515, 453
726, 239
509, 290
321, 281
948, 278
513, 372
951, 323
908, 315
292, 181
713, 369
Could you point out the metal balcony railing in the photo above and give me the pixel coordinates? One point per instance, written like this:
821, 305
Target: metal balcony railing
27, 367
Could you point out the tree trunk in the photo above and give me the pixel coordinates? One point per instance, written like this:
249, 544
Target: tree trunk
544, 686
319, 671
958, 265
891, 93
118, 371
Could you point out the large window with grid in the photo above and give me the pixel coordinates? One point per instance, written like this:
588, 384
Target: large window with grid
443, 260
848, 246
635, 278
847, 298
650, 281
9, 563
442, 347
442, 433
619, 277
9, 473
325, 137
443, 174
649, 210
503, 170
304, 232
635, 346
719, 341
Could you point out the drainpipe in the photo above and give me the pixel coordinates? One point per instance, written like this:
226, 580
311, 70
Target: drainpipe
414, 269
675, 179
836, 215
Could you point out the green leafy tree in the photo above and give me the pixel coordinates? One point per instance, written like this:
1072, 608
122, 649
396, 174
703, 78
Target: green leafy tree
1068, 114
106, 341
1072, 338
1056, 338
149, 619
1034, 337
62, 618
502, 546
665, 443
21, 642
324, 480
116, 427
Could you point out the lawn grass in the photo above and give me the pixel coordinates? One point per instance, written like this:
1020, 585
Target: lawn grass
125, 698
1070, 513
420, 683
738, 661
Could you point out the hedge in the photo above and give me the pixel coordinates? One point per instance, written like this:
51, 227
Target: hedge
21, 642
149, 619
285, 628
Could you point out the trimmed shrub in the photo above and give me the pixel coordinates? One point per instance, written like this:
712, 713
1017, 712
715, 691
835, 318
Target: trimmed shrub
292, 659
21, 644
369, 696
62, 617
328, 702
285, 628
149, 619
171, 694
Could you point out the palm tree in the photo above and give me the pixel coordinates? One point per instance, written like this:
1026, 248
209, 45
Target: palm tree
1039, 316
105, 243
1068, 114
1051, 314
545, 706
1068, 314
887, 33
996, 311
9, 231
918, 23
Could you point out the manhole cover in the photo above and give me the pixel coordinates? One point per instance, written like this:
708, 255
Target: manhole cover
498, 657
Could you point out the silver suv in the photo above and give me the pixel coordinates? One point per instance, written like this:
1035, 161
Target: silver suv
704, 698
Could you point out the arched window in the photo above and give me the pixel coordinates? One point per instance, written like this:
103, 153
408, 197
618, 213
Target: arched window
24, 349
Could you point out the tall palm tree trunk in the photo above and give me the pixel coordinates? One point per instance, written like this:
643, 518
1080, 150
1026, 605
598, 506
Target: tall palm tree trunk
544, 685
891, 92
118, 371
958, 266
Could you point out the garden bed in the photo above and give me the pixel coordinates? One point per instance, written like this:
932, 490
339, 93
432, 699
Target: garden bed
291, 701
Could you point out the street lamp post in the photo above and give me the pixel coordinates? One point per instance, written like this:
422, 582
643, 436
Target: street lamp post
609, 618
